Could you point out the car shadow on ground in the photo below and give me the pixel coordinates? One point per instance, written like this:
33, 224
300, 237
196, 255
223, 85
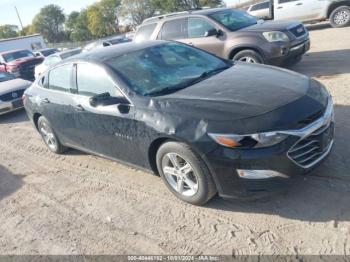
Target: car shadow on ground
9, 182
14, 117
321, 196
318, 26
324, 64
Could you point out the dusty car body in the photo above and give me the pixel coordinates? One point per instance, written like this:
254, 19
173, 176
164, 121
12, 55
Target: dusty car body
241, 130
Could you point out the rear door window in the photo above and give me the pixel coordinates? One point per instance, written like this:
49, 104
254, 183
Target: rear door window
175, 29
60, 78
144, 32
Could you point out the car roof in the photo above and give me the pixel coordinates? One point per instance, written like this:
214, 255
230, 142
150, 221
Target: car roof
102, 54
206, 11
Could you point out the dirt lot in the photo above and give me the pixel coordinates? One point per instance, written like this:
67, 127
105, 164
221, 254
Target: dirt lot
81, 204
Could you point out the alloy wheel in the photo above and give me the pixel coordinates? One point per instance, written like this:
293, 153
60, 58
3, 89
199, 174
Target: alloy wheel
180, 175
248, 59
48, 136
341, 17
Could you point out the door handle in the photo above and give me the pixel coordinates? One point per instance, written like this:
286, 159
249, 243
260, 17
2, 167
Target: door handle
45, 101
299, 4
191, 44
280, 7
79, 108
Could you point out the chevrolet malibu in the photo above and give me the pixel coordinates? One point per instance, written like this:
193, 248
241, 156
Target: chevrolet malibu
204, 124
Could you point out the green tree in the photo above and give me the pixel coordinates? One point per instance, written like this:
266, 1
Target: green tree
136, 11
8, 31
166, 6
77, 26
27, 30
102, 18
49, 22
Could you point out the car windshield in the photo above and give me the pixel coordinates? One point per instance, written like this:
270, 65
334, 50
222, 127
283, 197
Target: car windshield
166, 68
5, 76
17, 55
234, 19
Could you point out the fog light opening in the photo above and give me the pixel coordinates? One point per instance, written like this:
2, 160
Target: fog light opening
258, 174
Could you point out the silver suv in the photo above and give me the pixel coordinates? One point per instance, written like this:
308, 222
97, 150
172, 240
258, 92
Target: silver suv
231, 34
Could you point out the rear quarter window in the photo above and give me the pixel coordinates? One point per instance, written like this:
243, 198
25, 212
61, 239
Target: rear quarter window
174, 29
144, 32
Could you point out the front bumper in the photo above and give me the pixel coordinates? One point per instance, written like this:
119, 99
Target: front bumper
9, 106
300, 153
284, 53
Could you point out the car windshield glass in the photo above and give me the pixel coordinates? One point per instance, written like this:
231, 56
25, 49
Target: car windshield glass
5, 76
17, 55
234, 19
166, 68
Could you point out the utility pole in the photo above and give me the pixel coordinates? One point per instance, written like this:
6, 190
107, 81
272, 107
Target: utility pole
19, 18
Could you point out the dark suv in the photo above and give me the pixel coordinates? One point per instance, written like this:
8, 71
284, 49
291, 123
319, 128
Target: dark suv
231, 34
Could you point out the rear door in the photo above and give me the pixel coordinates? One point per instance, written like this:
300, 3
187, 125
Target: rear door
56, 101
302, 10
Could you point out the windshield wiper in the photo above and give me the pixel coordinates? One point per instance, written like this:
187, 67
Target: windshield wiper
190, 82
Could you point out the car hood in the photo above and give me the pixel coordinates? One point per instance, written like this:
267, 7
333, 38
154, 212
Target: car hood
256, 96
271, 26
24, 60
13, 85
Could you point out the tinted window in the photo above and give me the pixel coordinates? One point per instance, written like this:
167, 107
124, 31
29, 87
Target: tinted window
164, 68
174, 29
144, 32
17, 55
48, 52
60, 78
93, 80
197, 27
264, 5
234, 19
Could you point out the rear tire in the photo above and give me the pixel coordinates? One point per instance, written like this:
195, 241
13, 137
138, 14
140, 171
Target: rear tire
185, 173
340, 17
248, 56
49, 136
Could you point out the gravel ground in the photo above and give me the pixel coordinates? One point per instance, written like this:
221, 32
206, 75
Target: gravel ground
81, 204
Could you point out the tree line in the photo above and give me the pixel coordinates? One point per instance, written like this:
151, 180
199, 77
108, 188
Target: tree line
101, 19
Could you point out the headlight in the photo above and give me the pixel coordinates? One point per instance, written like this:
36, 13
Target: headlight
276, 36
249, 141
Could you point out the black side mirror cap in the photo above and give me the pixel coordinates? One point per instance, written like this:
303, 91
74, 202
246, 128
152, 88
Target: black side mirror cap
106, 99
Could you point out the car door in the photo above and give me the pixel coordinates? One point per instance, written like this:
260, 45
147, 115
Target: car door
55, 100
303, 10
200, 35
107, 129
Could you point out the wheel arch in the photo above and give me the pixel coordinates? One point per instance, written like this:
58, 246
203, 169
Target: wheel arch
335, 5
235, 50
36, 117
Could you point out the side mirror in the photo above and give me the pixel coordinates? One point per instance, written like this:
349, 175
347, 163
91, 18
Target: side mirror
106, 99
211, 32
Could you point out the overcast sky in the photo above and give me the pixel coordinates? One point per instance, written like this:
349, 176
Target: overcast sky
29, 8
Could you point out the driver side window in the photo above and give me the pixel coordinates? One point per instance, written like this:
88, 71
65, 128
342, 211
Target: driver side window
93, 80
197, 27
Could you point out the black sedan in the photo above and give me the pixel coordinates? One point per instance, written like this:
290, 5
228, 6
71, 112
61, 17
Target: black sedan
204, 124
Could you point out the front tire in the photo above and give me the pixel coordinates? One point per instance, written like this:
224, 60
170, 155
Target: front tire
49, 136
185, 173
340, 17
249, 56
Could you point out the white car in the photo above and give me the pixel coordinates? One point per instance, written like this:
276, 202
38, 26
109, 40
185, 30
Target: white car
53, 60
11, 92
260, 10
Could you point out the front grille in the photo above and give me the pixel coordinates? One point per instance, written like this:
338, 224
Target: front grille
27, 70
298, 31
12, 95
308, 151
